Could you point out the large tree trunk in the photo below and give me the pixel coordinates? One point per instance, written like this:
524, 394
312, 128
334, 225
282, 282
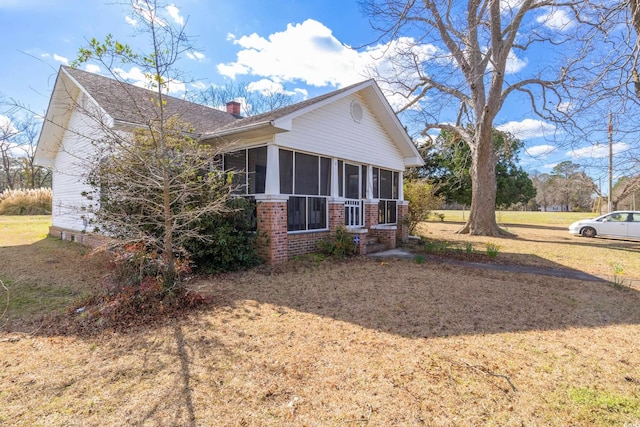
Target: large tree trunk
482, 216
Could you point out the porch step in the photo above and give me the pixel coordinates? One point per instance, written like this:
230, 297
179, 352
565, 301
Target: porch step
374, 245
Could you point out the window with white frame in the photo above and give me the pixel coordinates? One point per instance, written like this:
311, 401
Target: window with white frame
385, 188
307, 178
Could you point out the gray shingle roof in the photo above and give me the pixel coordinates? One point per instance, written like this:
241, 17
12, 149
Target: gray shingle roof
132, 104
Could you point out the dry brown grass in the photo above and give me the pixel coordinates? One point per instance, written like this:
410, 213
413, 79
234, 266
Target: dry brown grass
351, 343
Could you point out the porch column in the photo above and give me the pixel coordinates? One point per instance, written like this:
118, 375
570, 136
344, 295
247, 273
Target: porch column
336, 204
400, 186
272, 242
272, 181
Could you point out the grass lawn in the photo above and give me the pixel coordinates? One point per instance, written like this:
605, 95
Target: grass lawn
333, 343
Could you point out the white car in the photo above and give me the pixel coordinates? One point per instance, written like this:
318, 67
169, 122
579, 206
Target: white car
622, 224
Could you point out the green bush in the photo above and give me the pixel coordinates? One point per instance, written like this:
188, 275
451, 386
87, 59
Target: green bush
422, 200
340, 245
26, 202
231, 243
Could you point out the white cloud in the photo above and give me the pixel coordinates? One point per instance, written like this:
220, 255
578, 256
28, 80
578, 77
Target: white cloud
268, 87
92, 68
556, 19
199, 85
196, 56
295, 54
174, 13
61, 59
527, 128
540, 150
129, 20
6, 126
514, 64
509, 6
598, 151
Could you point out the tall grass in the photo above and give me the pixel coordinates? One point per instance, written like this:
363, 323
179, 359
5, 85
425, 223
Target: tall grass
26, 202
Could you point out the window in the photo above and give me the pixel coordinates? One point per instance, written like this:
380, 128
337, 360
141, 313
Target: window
308, 179
385, 188
250, 169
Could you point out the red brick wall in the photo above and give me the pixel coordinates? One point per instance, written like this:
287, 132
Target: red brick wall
403, 228
370, 214
272, 231
304, 243
386, 236
336, 215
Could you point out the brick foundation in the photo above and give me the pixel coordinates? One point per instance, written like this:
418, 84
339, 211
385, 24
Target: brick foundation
370, 214
336, 215
304, 243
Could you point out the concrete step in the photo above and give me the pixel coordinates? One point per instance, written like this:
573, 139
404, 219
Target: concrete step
375, 247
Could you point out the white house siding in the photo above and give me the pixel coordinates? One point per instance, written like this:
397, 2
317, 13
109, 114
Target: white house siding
69, 173
331, 131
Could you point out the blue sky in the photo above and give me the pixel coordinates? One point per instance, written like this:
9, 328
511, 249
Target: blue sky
304, 47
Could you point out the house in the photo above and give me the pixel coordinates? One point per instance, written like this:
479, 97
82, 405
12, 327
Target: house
334, 160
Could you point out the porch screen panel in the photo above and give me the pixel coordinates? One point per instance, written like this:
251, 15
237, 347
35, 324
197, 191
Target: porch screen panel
237, 162
257, 170
306, 174
325, 176
376, 174
352, 181
317, 213
286, 172
296, 213
386, 184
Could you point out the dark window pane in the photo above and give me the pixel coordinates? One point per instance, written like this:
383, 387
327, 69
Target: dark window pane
396, 178
325, 176
296, 214
286, 172
376, 174
382, 212
317, 213
340, 178
386, 184
306, 174
352, 181
257, 170
391, 212
364, 182
236, 162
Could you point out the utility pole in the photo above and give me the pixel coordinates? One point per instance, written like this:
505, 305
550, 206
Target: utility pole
610, 161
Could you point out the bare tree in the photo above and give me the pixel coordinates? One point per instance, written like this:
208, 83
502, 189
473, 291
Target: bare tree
252, 102
456, 63
151, 185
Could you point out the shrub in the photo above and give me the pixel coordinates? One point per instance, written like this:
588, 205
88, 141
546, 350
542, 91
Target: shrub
422, 200
26, 202
231, 239
340, 245
492, 249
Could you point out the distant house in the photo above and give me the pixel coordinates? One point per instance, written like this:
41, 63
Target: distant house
335, 160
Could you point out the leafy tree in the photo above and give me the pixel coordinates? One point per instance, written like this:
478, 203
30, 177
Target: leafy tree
453, 62
422, 200
571, 186
448, 163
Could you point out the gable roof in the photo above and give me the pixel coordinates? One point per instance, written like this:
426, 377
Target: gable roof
139, 106
207, 122
281, 120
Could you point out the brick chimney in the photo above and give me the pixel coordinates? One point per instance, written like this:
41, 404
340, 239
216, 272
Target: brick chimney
233, 107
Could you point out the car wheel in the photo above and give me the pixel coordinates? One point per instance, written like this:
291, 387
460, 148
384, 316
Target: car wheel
588, 232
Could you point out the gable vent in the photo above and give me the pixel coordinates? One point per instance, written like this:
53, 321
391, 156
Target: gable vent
356, 111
